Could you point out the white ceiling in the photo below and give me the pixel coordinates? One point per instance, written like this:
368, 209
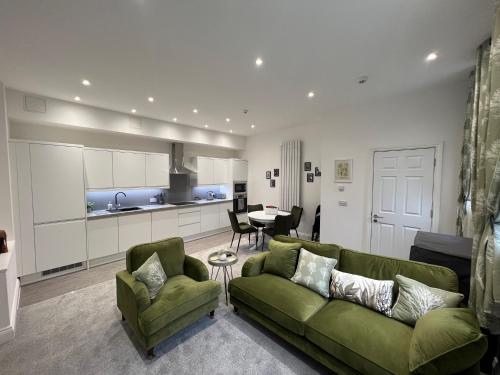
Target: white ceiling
200, 53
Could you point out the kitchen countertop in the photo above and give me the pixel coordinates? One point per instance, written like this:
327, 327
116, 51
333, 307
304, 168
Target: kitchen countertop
152, 207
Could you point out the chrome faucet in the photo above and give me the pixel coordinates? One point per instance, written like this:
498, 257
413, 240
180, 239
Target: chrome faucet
116, 198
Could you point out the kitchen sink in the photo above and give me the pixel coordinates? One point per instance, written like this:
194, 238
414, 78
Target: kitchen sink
125, 209
182, 203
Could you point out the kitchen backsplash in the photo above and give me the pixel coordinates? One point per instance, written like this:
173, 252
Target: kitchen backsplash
139, 197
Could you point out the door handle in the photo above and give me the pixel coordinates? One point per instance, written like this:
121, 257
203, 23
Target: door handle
375, 216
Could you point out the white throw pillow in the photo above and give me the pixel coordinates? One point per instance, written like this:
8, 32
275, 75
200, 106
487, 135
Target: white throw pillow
313, 272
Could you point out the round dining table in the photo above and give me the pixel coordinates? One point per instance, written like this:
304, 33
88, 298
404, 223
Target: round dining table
263, 218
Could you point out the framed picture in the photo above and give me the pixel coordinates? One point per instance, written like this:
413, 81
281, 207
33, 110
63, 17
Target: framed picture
343, 170
273, 183
317, 172
268, 175
307, 166
310, 177
276, 172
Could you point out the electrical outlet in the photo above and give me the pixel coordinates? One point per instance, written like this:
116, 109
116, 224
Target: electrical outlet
343, 203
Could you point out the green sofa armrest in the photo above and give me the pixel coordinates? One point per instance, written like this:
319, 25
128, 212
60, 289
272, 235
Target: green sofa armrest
253, 266
195, 269
132, 296
446, 341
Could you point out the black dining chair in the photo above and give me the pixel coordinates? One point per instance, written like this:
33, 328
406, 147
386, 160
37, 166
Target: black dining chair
282, 225
296, 214
256, 224
240, 228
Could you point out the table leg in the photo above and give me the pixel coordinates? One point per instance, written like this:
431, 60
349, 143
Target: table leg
212, 273
231, 267
217, 274
225, 282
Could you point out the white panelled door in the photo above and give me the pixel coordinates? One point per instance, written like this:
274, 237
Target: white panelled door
403, 182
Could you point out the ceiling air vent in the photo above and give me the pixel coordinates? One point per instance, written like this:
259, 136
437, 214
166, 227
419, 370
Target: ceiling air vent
34, 104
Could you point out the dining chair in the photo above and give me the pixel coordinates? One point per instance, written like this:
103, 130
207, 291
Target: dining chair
282, 225
296, 214
240, 228
256, 224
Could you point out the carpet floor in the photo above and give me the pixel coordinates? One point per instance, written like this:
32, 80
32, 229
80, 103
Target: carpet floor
81, 333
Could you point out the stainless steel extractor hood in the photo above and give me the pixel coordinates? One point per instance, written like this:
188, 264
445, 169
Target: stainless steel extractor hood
178, 166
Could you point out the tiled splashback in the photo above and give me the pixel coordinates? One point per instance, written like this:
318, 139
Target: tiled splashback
139, 197
202, 191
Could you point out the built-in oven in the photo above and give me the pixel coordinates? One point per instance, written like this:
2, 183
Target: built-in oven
240, 197
240, 187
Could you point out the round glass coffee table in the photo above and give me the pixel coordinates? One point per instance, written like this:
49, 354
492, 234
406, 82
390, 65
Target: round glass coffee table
215, 260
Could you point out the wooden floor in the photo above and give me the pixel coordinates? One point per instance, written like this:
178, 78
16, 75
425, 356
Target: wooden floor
57, 286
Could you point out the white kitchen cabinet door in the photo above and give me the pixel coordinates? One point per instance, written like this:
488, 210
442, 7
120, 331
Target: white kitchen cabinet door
221, 171
164, 224
102, 237
223, 215
158, 170
57, 180
209, 218
205, 173
60, 244
240, 170
129, 169
134, 230
98, 169
189, 230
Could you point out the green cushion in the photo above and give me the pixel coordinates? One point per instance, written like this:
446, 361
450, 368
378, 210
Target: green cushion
282, 301
282, 259
170, 251
446, 340
385, 268
364, 339
177, 297
246, 228
151, 273
324, 250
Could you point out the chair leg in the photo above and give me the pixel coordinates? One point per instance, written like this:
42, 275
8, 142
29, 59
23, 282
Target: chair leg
249, 239
232, 239
236, 310
151, 353
297, 233
263, 240
123, 318
239, 239
211, 314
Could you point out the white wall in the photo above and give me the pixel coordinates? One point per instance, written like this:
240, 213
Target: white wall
5, 195
434, 115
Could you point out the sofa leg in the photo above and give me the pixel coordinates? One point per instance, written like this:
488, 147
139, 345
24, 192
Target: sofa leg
236, 310
123, 318
151, 353
211, 314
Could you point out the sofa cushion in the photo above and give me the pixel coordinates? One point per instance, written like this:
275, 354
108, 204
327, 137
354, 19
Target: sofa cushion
314, 272
279, 299
364, 339
177, 297
151, 273
322, 249
282, 259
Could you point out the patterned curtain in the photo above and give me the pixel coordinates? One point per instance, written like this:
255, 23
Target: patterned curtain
480, 182
290, 172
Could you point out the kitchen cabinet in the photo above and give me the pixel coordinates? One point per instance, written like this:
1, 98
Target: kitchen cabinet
165, 224
221, 171
134, 230
189, 221
60, 244
210, 218
223, 216
102, 237
239, 170
98, 168
57, 181
205, 170
189, 230
158, 170
129, 169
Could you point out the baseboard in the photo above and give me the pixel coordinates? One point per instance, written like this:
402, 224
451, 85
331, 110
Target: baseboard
9, 332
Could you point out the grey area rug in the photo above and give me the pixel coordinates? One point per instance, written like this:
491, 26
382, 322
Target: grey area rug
81, 333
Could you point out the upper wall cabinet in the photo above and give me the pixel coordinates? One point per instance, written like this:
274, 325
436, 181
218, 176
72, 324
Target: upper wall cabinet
57, 182
221, 169
212, 171
239, 170
158, 170
98, 168
129, 169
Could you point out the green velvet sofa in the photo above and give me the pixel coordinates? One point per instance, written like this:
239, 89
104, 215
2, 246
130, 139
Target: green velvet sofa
183, 299
349, 338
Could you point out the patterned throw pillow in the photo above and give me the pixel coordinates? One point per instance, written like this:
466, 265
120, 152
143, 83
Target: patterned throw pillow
374, 294
151, 273
313, 272
415, 299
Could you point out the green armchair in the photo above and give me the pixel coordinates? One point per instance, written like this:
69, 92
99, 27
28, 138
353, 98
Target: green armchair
186, 296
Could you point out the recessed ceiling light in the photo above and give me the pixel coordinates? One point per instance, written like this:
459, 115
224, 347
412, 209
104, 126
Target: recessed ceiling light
174, 119
259, 61
252, 126
151, 99
133, 110
310, 94
230, 130
228, 119
195, 110
77, 98
206, 125
86, 82
431, 56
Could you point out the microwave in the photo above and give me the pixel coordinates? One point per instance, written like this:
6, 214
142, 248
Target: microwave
240, 187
